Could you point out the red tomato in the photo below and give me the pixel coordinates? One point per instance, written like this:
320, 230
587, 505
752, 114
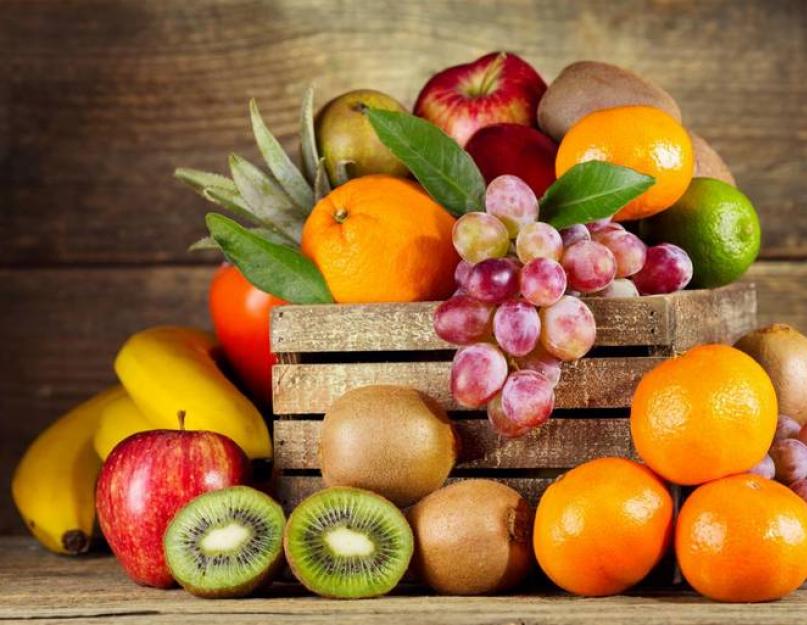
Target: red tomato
241, 315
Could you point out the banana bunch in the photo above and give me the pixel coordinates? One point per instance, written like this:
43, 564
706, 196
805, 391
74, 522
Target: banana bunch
163, 371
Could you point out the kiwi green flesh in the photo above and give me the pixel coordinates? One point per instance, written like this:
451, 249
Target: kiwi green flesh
348, 543
225, 542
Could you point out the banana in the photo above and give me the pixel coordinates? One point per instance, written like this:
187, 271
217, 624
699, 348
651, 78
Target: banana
170, 369
119, 419
54, 484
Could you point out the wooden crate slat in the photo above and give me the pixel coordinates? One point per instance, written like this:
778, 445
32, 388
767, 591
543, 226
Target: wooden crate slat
560, 443
312, 388
408, 327
714, 316
292, 489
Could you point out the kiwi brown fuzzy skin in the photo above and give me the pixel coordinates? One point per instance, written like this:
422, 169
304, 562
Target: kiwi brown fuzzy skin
296, 569
588, 86
782, 352
708, 163
392, 440
472, 537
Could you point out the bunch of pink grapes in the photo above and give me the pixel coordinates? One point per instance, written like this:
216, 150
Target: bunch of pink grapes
517, 314
786, 461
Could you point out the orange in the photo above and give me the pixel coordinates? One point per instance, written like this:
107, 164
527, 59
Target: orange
704, 415
640, 137
603, 526
382, 239
743, 538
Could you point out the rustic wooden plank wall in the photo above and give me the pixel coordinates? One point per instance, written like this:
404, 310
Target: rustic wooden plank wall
99, 101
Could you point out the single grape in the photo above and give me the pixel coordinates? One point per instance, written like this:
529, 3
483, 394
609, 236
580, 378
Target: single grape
800, 488
590, 266
629, 251
512, 201
568, 328
790, 457
501, 423
527, 398
461, 273
542, 281
494, 280
573, 234
621, 287
803, 434
478, 372
786, 427
765, 467
543, 363
667, 269
516, 327
462, 320
603, 225
479, 236
538, 240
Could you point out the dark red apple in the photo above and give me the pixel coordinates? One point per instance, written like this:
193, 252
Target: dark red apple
146, 479
498, 87
516, 150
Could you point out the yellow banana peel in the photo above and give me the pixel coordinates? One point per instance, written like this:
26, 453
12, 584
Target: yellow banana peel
53, 485
119, 420
170, 369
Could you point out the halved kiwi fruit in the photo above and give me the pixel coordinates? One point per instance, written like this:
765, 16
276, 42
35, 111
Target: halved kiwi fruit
348, 543
225, 543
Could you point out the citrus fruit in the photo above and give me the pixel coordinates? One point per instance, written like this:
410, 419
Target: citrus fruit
603, 526
717, 226
639, 137
704, 415
743, 538
381, 239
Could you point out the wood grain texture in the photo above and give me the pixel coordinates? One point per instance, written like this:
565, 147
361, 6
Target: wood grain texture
292, 489
587, 383
680, 319
561, 443
91, 590
93, 130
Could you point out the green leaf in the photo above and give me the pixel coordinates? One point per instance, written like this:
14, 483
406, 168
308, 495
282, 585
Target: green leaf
590, 191
266, 199
322, 185
308, 139
289, 177
200, 180
208, 243
275, 269
444, 169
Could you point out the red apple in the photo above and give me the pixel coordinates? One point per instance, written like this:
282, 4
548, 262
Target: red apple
146, 479
516, 150
498, 87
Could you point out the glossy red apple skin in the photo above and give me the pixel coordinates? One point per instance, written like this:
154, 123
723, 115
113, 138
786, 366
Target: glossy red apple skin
146, 479
498, 87
516, 150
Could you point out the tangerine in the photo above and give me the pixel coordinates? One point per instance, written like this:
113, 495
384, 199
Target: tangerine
603, 526
704, 415
381, 239
743, 538
642, 138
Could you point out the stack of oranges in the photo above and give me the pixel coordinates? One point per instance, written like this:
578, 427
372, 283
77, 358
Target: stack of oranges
703, 419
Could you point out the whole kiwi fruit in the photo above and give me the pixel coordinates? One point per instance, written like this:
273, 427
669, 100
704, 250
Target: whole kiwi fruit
587, 86
708, 163
782, 352
472, 537
392, 440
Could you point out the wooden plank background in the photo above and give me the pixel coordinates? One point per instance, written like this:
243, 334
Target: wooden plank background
100, 101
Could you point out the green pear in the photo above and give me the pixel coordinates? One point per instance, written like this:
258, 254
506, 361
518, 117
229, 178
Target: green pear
347, 140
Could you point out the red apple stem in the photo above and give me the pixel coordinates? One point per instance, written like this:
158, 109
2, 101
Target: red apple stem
181, 418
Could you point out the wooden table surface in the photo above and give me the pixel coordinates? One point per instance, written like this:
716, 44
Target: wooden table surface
36, 585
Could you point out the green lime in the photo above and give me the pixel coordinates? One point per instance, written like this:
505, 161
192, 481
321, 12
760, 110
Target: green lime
717, 226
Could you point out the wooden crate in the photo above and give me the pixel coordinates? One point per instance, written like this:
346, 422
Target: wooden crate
326, 350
